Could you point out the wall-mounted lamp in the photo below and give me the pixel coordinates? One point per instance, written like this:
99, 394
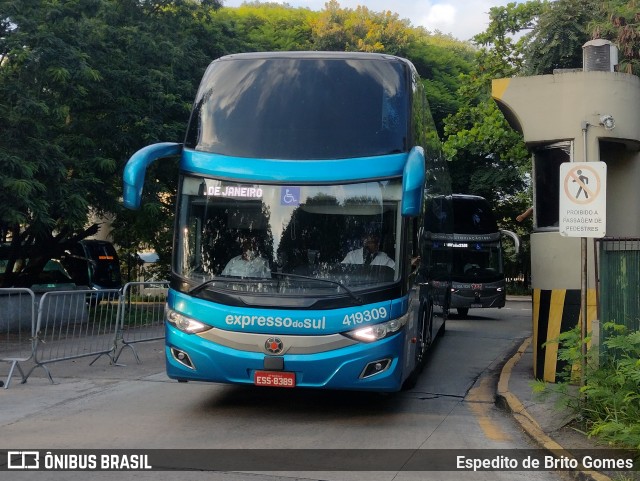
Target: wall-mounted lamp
607, 122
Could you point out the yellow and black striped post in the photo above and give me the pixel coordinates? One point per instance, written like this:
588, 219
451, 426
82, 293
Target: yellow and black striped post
556, 311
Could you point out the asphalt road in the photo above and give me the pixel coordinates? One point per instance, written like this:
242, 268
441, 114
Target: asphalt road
136, 407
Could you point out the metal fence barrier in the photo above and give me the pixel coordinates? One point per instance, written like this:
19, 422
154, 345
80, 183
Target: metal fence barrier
17, 329
74, 324
63, 325
142, 314
619, 277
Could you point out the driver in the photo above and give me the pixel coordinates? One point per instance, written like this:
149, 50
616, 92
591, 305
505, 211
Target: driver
249, 263
369, 253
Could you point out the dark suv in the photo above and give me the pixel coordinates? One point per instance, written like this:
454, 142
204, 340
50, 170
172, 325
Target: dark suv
94, 263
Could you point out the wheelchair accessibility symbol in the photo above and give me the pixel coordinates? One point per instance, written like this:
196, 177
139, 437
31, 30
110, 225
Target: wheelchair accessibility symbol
290, 196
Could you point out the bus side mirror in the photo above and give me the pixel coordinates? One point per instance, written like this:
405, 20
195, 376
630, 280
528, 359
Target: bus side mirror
515, 237
413, 183
136, 168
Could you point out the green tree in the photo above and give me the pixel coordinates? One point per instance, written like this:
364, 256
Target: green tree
271, 26
619, 21
441, 61
528, 38
487, 157
344, 29
83, 84
45, 78
551, 33
502, 44
562, 28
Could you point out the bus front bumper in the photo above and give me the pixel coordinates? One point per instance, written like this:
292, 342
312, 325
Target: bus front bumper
493, 299
352, 367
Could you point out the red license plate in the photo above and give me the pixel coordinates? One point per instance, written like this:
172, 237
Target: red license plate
274, 379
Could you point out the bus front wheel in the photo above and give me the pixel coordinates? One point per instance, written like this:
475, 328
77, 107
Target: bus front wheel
425, 339
463, 311
426, 335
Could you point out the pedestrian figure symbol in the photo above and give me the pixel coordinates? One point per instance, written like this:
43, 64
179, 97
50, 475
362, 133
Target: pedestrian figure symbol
583, 196
583, 180
582, 183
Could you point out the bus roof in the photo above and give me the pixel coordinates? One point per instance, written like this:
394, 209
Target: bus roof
473, 215
313, 54
287, 105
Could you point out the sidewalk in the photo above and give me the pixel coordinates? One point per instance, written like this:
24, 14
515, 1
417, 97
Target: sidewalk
542, 420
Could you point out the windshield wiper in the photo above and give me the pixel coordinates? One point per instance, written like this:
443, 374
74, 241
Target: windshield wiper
199, 287
329, 281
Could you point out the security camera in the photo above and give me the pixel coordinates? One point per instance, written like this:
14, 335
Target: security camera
607, 122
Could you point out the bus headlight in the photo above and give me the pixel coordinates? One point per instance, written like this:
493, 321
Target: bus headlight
184, 323
378, 331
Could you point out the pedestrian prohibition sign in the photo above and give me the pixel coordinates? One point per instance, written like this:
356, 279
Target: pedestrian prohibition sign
583, 193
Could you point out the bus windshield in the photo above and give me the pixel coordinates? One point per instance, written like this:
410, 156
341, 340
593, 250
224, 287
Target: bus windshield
307, 240
477, 262
281, 107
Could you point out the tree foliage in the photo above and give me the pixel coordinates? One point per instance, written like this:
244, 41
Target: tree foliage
266, 26
503, 42
537, 36
85, 83
344, 29
487, 157
619, 21
562, 28
46, 81
442, 63
529, 38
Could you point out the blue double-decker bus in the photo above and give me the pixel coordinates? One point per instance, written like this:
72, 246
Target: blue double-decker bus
296, 260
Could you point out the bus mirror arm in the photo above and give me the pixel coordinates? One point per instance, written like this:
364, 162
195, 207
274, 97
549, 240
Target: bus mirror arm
136, 168
413, 182
515, 237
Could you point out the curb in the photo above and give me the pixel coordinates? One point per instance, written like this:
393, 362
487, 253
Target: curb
528, 423
519, 298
